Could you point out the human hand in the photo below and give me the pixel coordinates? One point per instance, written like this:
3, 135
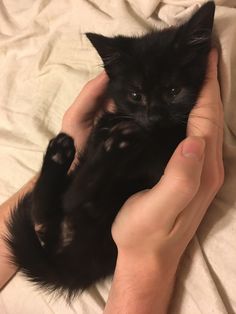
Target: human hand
157, 224
80, 116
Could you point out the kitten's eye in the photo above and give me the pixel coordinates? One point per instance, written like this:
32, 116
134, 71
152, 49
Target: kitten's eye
135, 96
173, 91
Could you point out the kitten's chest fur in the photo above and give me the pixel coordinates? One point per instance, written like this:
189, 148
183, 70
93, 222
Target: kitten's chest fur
120, 159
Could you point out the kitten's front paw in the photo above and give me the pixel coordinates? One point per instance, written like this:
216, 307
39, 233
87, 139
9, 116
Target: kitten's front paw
122, 136
60, 151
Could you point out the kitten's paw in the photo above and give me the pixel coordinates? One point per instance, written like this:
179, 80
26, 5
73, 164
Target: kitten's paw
122, 136
60, 151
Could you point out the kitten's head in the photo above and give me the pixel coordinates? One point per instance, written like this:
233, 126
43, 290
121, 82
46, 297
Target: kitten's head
155, 79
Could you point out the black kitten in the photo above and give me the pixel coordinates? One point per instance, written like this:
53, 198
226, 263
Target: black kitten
154, 81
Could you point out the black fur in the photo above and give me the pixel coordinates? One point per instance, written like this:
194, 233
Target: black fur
154, 81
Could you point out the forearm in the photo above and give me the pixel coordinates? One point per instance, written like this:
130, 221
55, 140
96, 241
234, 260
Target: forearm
7, 270
140, 287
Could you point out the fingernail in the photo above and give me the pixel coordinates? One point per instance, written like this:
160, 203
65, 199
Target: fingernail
193, 147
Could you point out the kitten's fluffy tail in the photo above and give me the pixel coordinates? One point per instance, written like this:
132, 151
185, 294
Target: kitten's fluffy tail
26, 250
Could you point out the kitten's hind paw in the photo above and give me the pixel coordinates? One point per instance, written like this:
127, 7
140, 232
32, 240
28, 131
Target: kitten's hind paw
60, 152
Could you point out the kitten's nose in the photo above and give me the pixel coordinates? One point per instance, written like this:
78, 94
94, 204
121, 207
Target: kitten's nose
155, 112
153, 115
154, 118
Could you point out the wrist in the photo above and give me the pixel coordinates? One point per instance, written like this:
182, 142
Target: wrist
147, 262
149, 269
141, 284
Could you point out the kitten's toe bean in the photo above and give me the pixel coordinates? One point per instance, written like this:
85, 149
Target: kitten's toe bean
57, 158
123, 144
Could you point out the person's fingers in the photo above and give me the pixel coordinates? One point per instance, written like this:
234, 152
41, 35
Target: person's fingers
210, 88
94, 90
208, 107
180, 182
213, 170
212, 180
206, 120
85, 107
210, 93
212, 65
89, 100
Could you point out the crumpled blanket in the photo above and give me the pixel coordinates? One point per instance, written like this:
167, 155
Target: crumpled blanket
45, 60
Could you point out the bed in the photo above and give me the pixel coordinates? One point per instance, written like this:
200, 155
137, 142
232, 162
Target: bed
45, 60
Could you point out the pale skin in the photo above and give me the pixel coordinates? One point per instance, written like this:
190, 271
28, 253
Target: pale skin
153, 228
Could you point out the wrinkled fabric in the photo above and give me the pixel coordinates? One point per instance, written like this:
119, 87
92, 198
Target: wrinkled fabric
45, 60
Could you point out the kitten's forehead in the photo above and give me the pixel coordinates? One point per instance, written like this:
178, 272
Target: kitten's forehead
156, 50
157, 41
153, 58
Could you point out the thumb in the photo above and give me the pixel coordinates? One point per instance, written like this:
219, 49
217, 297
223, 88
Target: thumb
181, 178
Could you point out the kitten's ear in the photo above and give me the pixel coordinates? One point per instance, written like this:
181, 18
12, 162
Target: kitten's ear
109, 49
198, 29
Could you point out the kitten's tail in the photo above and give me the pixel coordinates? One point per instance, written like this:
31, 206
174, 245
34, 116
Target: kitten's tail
25, 248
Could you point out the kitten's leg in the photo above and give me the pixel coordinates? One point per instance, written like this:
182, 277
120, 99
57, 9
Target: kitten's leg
53, 179
35, 225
